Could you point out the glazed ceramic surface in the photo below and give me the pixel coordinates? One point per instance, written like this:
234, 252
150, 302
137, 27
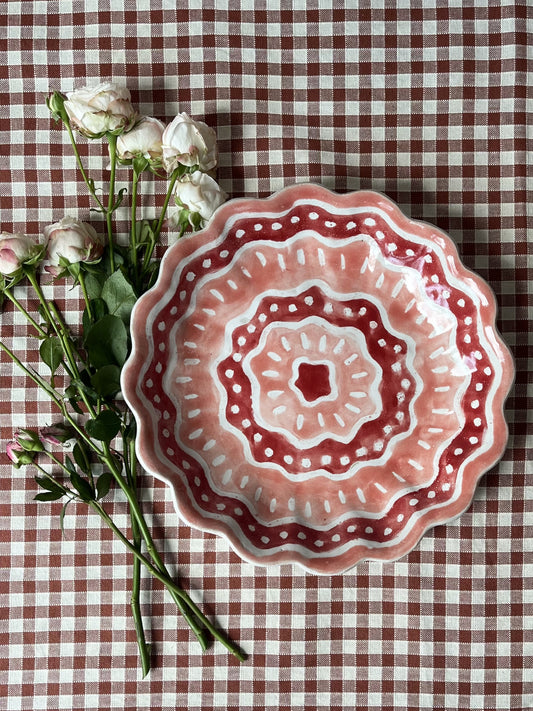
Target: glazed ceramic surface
318, 378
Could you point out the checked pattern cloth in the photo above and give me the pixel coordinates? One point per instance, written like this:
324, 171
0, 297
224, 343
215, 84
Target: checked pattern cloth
427, 102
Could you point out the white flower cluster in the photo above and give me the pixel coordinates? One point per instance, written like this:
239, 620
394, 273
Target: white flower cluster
185, 145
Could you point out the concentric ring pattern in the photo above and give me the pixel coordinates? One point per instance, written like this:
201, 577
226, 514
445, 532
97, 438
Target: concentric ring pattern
318, 378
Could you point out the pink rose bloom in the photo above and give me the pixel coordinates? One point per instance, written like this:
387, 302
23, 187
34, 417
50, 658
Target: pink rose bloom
97, 110
144, 139
72, 240
189, 142
15, 250
200, 194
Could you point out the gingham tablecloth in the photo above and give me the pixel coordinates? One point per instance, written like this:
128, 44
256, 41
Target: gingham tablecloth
426, 102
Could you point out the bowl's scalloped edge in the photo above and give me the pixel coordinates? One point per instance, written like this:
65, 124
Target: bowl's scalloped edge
280, 201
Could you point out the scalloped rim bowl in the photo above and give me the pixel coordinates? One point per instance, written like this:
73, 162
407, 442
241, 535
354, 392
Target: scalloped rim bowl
318, 378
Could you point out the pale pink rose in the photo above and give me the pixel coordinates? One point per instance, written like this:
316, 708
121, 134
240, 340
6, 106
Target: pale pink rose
144, 140
189, 142
14, 251
199, 193
73, 240
18, 455
97, 110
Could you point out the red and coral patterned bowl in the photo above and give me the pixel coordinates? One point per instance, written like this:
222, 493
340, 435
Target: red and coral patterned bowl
317, 378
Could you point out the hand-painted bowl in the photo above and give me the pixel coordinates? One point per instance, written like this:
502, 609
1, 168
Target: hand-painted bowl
318, 378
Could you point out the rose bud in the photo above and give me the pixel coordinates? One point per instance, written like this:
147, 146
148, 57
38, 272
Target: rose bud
29, 440
198, 195
97, 110
56, 434
144, 140
16, 250
188, 142
18, 455
71, 241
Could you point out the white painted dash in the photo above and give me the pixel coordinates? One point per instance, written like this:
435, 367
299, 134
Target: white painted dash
340, 345
216, 293
361, 374
285, 343
397, 288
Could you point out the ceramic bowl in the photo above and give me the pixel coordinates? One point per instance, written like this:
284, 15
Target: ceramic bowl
318, 378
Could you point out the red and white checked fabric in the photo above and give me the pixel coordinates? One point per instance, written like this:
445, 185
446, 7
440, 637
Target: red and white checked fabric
429, 103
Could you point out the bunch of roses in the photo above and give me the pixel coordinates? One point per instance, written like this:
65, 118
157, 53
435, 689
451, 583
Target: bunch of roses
97, 427
185, 148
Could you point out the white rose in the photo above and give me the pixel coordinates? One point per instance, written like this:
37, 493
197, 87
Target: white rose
188, 142
14, 251
105, 108
144, 139
199, 194
72, 240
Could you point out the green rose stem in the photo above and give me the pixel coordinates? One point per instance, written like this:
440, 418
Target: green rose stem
53, 395
144, 651
150, 250
136, 514
88, 181
83, 285
133, 234
131, 473
185, 604
168, 583
135, 509
187, 607
23, 311
112, 139
52, 314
